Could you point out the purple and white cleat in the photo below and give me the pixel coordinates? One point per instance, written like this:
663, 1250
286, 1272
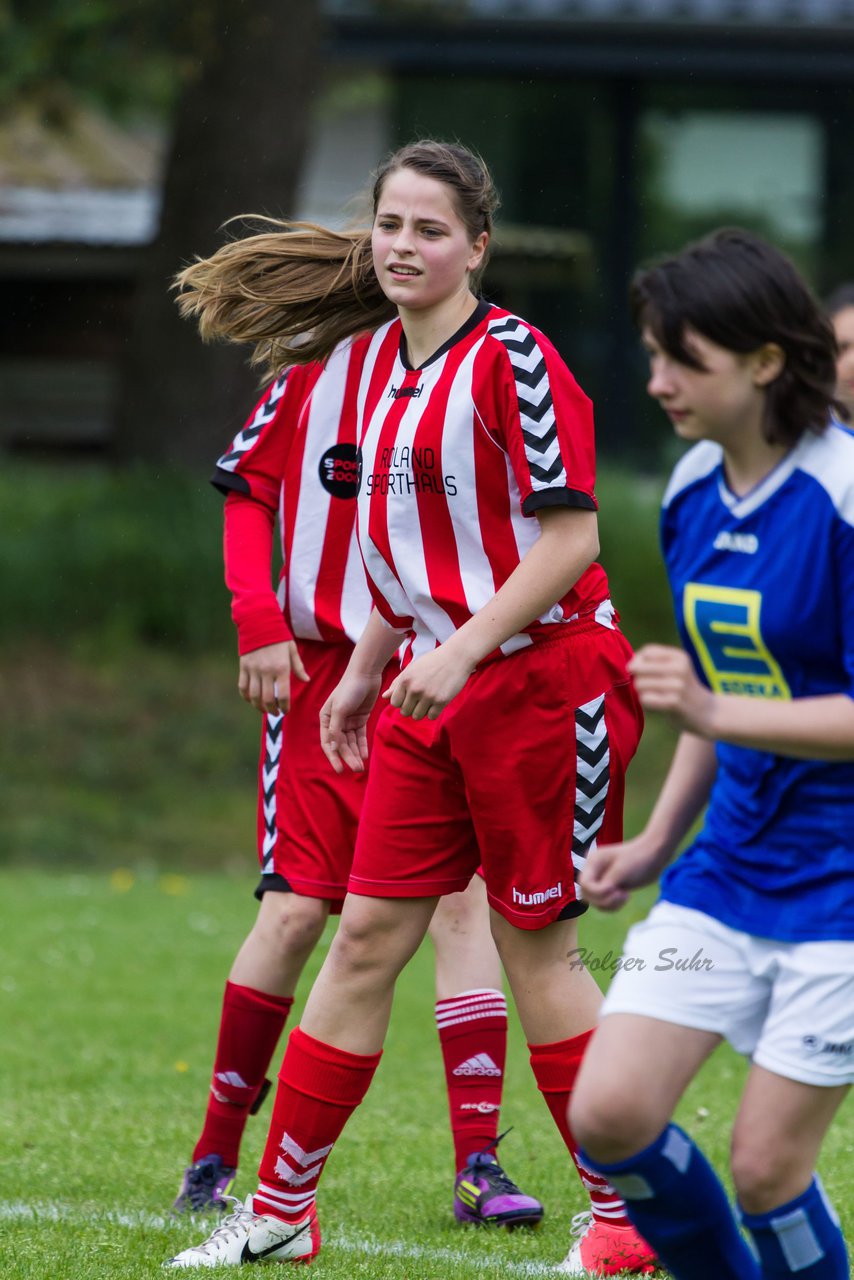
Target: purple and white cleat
485, 1196
205, 1186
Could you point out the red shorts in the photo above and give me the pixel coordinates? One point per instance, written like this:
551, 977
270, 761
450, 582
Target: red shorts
523, 772
307, 813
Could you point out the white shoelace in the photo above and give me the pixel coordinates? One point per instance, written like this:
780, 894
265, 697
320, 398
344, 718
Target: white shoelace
239, 1219
580, 1223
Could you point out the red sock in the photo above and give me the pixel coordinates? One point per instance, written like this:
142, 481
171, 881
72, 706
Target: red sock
249, 1031
555, 1068
319, 1089
473, 1037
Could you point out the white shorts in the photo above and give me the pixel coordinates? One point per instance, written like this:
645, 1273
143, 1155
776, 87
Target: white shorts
789, 1006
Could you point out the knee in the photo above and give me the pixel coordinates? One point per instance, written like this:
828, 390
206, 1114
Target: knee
292, 924
608, 1123
764, 1176
363, 945
454, 914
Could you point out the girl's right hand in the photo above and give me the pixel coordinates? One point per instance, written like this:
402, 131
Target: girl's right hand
344, 720
265, 676
611, 871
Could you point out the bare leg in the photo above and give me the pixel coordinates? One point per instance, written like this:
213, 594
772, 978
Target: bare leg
777, 1136
255, 1007
350, 1003
634, 1073
466, 956
471, 1017
555, 998
275, 950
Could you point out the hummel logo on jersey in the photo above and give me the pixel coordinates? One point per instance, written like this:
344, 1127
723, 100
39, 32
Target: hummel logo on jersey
404, 393
746, 542
480, 1065
233, 1078
534, 899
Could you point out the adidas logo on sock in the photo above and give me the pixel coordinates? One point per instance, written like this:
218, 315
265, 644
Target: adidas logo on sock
233, 1078
480, 1065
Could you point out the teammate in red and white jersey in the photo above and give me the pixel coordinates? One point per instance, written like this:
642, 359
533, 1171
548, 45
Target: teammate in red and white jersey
506, 736
296, 456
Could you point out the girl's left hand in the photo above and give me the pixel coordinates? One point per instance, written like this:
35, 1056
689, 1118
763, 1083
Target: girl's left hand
665, 681
428, 684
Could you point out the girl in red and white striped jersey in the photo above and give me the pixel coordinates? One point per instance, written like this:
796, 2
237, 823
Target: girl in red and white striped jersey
506, 736
296, 456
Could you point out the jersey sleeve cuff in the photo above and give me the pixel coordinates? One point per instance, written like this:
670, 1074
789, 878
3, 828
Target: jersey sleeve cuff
542, 498
229, 482
261, 627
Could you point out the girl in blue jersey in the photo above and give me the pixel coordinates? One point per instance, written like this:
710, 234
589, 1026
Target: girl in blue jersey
752, 939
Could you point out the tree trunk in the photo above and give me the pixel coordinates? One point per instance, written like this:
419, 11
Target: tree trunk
239, 141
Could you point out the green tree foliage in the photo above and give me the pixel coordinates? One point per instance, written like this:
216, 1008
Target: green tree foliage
130, 58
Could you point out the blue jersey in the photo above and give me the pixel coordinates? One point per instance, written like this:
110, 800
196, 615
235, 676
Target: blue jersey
763, 587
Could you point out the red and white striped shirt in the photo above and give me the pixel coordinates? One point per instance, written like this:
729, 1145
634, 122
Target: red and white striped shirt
457, 456
297, 456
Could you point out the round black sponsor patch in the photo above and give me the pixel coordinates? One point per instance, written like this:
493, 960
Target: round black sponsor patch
340, 468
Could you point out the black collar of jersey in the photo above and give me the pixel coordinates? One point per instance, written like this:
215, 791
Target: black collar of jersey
483, 308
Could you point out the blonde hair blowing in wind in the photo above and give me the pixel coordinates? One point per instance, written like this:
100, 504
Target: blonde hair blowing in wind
294, 290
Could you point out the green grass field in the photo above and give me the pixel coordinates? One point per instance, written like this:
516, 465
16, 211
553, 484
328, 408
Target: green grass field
109, 994
127, 768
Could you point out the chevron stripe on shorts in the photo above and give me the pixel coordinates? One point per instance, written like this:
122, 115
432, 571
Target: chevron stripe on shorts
269, 777
592, 775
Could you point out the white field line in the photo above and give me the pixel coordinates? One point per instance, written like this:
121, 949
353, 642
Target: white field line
19, 1211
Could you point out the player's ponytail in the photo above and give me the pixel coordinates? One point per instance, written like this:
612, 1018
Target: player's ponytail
292, 291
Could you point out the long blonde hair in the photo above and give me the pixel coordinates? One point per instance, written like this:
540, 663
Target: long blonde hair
294, 290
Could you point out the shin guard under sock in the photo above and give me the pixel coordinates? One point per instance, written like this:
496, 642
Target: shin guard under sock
320, 1087
472, 1030
676, 1202
802, 1238
555, 1067
249, 1030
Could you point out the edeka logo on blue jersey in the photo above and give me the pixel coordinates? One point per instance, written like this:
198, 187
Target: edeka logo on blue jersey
724, 626
339, 471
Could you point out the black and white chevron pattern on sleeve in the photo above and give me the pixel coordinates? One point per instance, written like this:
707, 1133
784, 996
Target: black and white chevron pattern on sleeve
269, 778
536, 408
250, 433
592, 774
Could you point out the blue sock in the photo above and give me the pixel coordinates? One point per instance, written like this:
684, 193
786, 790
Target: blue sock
678, 1205
802, 1238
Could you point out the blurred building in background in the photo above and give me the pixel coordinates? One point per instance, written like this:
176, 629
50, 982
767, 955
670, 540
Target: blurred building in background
616, 129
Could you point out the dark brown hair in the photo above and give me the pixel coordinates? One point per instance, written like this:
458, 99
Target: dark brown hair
462, 171
294, 290
740, 292
842, 297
